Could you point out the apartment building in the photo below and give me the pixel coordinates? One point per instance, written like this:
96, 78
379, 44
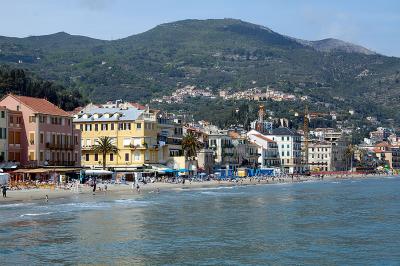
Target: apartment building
267, 150
289, 148
41, 133
135, 132
3, 135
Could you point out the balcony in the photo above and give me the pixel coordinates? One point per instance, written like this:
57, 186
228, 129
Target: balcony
52, 146
61, 163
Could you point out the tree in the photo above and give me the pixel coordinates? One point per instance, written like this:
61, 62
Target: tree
191, 145
105, 145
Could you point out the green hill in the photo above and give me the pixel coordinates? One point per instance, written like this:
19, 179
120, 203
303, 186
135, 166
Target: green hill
217, 53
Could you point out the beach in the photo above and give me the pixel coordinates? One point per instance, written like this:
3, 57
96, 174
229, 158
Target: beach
26, 195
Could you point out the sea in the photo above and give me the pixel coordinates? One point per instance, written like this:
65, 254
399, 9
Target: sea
343, 222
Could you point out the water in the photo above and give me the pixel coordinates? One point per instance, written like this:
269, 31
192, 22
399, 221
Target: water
313, 223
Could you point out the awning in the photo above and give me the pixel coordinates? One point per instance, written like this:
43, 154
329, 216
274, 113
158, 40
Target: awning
45, 170
183, 170
98, 172
9, 165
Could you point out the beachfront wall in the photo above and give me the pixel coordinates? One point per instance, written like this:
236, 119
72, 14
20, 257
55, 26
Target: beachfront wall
47, 136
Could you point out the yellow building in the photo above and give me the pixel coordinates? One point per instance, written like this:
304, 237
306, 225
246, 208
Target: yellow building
135, 132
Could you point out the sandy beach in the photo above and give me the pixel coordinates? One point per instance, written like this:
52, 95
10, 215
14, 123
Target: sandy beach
40, 194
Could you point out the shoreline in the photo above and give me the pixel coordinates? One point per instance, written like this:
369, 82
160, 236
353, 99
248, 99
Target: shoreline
20, 196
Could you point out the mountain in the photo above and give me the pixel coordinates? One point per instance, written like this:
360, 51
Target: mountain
335, 45
214, 53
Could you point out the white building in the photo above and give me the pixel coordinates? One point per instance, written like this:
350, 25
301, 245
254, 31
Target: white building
289, 147
267, 150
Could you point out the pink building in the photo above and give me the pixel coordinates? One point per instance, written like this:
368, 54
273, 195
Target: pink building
47, 135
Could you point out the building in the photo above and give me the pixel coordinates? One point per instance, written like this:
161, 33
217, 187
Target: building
205, 159
224, 150
289, 147
246, 150
135, 132
15, 133
387, 154
3, 135
47, 134
267, 150
381, 134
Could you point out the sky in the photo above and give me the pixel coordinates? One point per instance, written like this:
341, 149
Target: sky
370, 23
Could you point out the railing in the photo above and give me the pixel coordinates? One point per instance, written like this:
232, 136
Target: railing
53, 146
61, 163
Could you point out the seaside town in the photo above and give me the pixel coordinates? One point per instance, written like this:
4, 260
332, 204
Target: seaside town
43, 146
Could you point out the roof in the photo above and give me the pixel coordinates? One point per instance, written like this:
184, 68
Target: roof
383, 144
234, 135
263, 137
138, 106
40, 105
284, 131
128, 114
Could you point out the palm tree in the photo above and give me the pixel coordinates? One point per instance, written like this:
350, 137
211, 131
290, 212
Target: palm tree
105, 145
191, 145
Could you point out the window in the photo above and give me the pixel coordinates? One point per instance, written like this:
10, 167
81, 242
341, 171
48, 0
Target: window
96, 157
96, 127
137, 156
81, 127
139, 125
112, 126
41, 156
120, 126
31, 156
126, 157
111, 157
87, 157
31, 138
32, 119
11, 119
3, 133
41, 138
3, 114
288, 153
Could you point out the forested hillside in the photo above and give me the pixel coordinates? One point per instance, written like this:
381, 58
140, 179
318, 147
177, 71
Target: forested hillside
220, 54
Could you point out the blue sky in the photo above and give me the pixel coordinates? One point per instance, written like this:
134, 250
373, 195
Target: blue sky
373, 24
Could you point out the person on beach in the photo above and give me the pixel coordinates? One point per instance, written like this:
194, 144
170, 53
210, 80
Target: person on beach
105, 187
47, 198
138, 188
4, 190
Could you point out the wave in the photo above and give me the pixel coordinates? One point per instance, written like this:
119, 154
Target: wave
35, 214
132, 202
12, 205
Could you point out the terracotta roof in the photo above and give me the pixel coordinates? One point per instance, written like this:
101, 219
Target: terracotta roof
234, 135
263, 137
41, 106
383, 144
138, 106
